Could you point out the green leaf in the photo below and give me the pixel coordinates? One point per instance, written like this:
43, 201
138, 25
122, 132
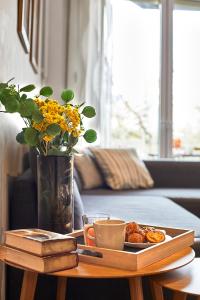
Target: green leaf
89, 112
67, 95
90, 136
31, 136
27, 88
20, 138
11, 104
26, 107
3, 85
37, 117
41, 135
46, 91
2, 99
1, 95
53, 129
7, 92
66, 136
23, 97
56, 141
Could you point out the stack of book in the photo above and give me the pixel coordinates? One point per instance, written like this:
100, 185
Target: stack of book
40, 250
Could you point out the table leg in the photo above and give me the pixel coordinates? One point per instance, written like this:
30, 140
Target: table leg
179, 296
61, 288
156, 290
28, 285
135, 286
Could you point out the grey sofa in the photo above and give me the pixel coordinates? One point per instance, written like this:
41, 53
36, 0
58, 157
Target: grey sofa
174, 201
176, 180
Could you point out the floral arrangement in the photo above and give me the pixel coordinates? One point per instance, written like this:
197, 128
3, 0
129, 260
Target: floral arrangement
51, 127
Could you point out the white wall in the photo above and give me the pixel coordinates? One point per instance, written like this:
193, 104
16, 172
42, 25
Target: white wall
78, 47
14, 62
56, 48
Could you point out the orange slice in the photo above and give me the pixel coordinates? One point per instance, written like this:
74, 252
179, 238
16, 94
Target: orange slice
91, 232
155, 236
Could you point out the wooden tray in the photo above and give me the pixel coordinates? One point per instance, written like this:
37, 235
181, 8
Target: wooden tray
131, 258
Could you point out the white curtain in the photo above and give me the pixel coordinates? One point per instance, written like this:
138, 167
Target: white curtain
90, 58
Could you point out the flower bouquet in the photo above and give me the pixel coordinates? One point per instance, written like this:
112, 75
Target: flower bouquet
53, 128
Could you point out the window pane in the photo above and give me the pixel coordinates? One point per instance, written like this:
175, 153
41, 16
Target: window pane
136, 58
186, 76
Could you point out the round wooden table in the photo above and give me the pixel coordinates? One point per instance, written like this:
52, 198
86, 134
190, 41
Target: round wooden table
94, 271
184, 281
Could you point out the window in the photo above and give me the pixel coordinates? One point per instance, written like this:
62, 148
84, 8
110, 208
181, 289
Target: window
186, 74
136, 58
155, 73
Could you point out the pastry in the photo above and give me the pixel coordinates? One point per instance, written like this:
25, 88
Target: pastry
132, 227
136, 238
155, 236
141, 234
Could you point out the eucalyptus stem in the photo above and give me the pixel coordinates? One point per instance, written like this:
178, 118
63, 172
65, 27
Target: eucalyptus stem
46, 148
43, 148
25, 121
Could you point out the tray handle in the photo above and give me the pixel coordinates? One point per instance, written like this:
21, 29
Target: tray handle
92, 253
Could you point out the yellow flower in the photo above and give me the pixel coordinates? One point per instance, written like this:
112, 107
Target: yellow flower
42, 126
76, 132
40, 102
48, 138
67, 117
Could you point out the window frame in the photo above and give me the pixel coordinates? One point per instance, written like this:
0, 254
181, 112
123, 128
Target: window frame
166, 81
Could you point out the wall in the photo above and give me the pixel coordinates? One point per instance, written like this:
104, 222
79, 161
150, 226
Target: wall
56, 39
78, 47
14, 62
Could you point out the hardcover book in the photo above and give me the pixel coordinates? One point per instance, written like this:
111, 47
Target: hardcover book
45, 264
40, 242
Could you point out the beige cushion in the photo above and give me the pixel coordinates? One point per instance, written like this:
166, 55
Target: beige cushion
122, 169
90, 175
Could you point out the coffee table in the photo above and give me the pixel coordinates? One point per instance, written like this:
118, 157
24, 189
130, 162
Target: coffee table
94, 271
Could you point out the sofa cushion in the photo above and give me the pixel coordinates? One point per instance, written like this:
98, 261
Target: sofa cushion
122, 169
89, 173
23, 201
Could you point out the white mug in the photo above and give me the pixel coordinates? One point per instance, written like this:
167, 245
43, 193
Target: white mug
108, 234
88, 220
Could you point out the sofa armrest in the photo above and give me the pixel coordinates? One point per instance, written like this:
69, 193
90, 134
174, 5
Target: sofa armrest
171, 173
22, 202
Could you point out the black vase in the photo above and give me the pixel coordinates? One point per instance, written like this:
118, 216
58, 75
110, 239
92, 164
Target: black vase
55, 193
